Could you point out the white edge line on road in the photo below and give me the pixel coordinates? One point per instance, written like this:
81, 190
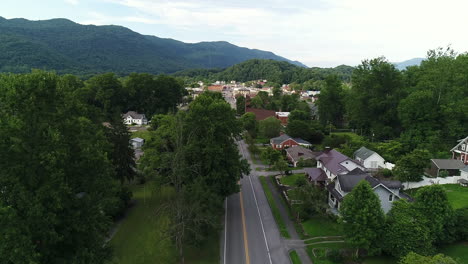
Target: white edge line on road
225, 230
258, 211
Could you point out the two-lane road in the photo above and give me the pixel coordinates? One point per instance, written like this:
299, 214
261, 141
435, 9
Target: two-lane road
251, 234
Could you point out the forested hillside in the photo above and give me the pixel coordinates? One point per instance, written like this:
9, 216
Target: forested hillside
68, 47
279, 72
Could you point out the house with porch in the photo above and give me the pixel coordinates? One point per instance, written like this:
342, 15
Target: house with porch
387, 191
132, 117
316, 176
460, 151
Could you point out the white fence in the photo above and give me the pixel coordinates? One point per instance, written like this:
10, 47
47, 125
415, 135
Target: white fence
429, 181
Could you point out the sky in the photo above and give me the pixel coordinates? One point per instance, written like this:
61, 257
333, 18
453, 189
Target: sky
324, 33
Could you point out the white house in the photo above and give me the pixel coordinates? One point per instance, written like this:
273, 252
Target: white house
334, 163
132, 117
387, 191
371, 159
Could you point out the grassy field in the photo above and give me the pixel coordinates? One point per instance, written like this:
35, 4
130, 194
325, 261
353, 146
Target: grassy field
458, 251
274, 208
294, 257
457, 195
144, 134
321, 226
291, 179
142, 236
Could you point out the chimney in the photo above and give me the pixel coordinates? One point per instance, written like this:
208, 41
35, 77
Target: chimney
327, 149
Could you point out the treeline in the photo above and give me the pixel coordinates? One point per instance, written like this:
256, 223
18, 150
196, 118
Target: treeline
423, 107
276, 72
194, 154
62, 170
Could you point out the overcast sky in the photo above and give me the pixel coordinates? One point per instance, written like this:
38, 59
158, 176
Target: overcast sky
317, 33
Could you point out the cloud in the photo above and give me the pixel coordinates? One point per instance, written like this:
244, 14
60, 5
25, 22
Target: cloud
72, 2
324, 33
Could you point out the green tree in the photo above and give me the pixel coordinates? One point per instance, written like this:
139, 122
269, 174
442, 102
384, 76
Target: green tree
406, 231
300, 129
413, 258
270, 155
249, 123
299, 115
331, 102
240, 105
362, 218
313, 200
281, 165
269, 127
373, 99
411, 166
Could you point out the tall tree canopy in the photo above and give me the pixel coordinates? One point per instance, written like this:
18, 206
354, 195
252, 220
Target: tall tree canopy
331, 102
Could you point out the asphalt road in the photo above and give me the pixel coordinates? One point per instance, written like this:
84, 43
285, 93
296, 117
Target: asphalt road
251, 235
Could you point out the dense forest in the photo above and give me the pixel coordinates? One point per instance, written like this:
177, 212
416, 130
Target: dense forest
68, 47
275, 72
63, 170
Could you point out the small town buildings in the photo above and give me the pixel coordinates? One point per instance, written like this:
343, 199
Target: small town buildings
215, 88
283, 117
387, 191
369, 158
132, 117
137, 142
452, 166
334, 163
316, 176
460, 151
298, 153
285, 141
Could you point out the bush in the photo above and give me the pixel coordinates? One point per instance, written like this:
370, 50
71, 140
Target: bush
301, 182
307, 163
334, 255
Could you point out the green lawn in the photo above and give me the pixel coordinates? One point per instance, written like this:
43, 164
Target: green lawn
321, 226
380, 260
294, 257
353, 136
262, 141
142, 236
274, 208
458, 251
291, 179
144, 134
457, 195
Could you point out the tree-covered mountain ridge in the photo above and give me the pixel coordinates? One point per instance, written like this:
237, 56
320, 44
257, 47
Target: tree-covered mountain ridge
68, 47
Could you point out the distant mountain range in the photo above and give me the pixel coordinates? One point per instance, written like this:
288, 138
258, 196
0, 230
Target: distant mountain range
412, 62
67, 47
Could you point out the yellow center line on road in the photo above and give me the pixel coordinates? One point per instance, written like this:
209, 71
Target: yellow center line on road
246, 244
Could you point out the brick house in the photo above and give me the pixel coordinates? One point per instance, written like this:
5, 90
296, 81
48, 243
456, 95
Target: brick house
460, 151
285, 141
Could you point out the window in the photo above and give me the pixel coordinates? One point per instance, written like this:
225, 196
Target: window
373, 164
390, 198
463, 147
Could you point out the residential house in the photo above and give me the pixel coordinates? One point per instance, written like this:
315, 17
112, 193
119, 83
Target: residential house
460, 151
452, 166
464, 172
316, 176
387, 191
298, 153
137, 142
132, 117
285, 141
370, 159
334, 163
260, 114
283, 117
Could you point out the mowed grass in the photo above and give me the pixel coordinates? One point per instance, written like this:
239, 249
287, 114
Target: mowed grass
274, 208
457, 251
456, 194
142, 237
291, 179
294, 257
321, 226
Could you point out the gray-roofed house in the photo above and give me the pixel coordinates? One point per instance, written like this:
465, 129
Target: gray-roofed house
132, 117
452, 166
335, 163
369, 158
387, 191
460, 151
137, 142
298, 153
285, 141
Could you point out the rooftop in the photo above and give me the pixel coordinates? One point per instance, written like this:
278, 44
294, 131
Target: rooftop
363, 153
448, 164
